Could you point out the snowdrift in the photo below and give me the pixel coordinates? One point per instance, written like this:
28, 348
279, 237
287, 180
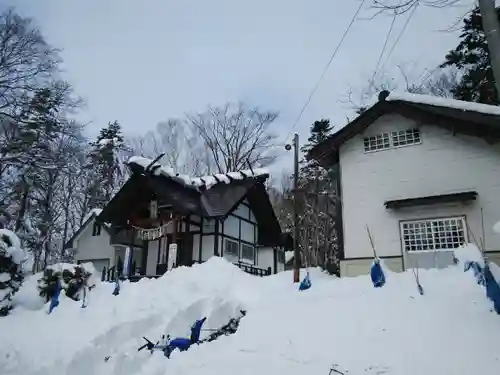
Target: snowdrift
344, 323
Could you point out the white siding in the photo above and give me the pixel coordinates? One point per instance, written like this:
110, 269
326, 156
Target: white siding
441, 164
93, 247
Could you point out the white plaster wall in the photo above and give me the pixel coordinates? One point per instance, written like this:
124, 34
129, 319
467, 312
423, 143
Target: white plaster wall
207, 247
265, 258
232, 226
152, 258
247, 232
442, 163
196, 247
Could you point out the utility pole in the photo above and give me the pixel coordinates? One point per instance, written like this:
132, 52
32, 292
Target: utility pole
296, 268
491, 28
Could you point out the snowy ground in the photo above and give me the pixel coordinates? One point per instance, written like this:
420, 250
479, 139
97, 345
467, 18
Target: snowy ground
342, 322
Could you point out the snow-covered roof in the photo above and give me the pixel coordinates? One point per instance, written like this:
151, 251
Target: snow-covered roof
204, 182
93, 213
445, 102
480, 120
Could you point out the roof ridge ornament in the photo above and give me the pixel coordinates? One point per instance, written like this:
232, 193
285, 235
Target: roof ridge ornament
383, 95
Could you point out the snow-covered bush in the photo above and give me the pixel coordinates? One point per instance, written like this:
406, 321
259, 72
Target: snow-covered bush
11, 276
73, 278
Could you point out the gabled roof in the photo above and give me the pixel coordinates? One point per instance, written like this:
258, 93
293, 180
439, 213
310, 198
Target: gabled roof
212, 196
474, 119
94, 213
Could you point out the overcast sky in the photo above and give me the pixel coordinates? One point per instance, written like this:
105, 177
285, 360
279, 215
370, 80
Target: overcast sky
141, 62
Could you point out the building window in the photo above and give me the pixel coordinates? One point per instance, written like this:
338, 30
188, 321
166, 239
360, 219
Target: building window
405, 137
231, 248
377, 142
385, 141
437, 234
247, 252
96, 230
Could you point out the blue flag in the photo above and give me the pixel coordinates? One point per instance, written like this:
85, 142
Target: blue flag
306, 283
54, 300
377, 274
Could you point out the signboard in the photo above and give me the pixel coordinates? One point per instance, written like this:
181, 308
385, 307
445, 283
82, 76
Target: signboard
172, 256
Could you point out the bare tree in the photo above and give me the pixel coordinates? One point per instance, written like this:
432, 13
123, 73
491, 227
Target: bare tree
184, 153
26, 61
235, 136
490, 22
438, 82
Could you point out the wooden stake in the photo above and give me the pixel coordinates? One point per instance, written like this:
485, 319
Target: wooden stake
371, 241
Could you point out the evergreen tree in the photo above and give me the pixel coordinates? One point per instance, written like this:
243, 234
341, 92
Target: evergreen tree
317, 202
104, 168
471, 56
320, 131
11, 259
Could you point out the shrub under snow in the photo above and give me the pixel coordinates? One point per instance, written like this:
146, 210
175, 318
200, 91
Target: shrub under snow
73, 278
11, 276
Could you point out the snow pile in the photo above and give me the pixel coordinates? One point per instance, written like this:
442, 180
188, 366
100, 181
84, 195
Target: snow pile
341, 323
11, 273
205, 182
445, 102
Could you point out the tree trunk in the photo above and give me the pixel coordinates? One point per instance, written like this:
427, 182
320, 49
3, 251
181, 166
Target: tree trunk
491, 28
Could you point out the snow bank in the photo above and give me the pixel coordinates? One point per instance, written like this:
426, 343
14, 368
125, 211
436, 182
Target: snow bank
338, 322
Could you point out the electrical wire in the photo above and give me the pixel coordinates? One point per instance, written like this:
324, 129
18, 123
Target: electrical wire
399, 37
375, 71
326, 68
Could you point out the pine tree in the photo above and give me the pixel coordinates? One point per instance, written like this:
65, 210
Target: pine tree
471, 56
104, 169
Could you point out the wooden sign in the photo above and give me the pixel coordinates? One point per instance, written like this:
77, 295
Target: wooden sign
172, 256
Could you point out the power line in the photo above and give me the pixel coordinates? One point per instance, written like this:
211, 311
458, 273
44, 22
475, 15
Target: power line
399, 36
326, 68
375, 71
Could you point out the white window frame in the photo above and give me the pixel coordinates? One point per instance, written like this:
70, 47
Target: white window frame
434, 237
228, 240
253, 252
387, 140
373, 142
406, 137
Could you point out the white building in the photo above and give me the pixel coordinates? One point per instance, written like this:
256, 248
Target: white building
423, 173
91, 243
227, 215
